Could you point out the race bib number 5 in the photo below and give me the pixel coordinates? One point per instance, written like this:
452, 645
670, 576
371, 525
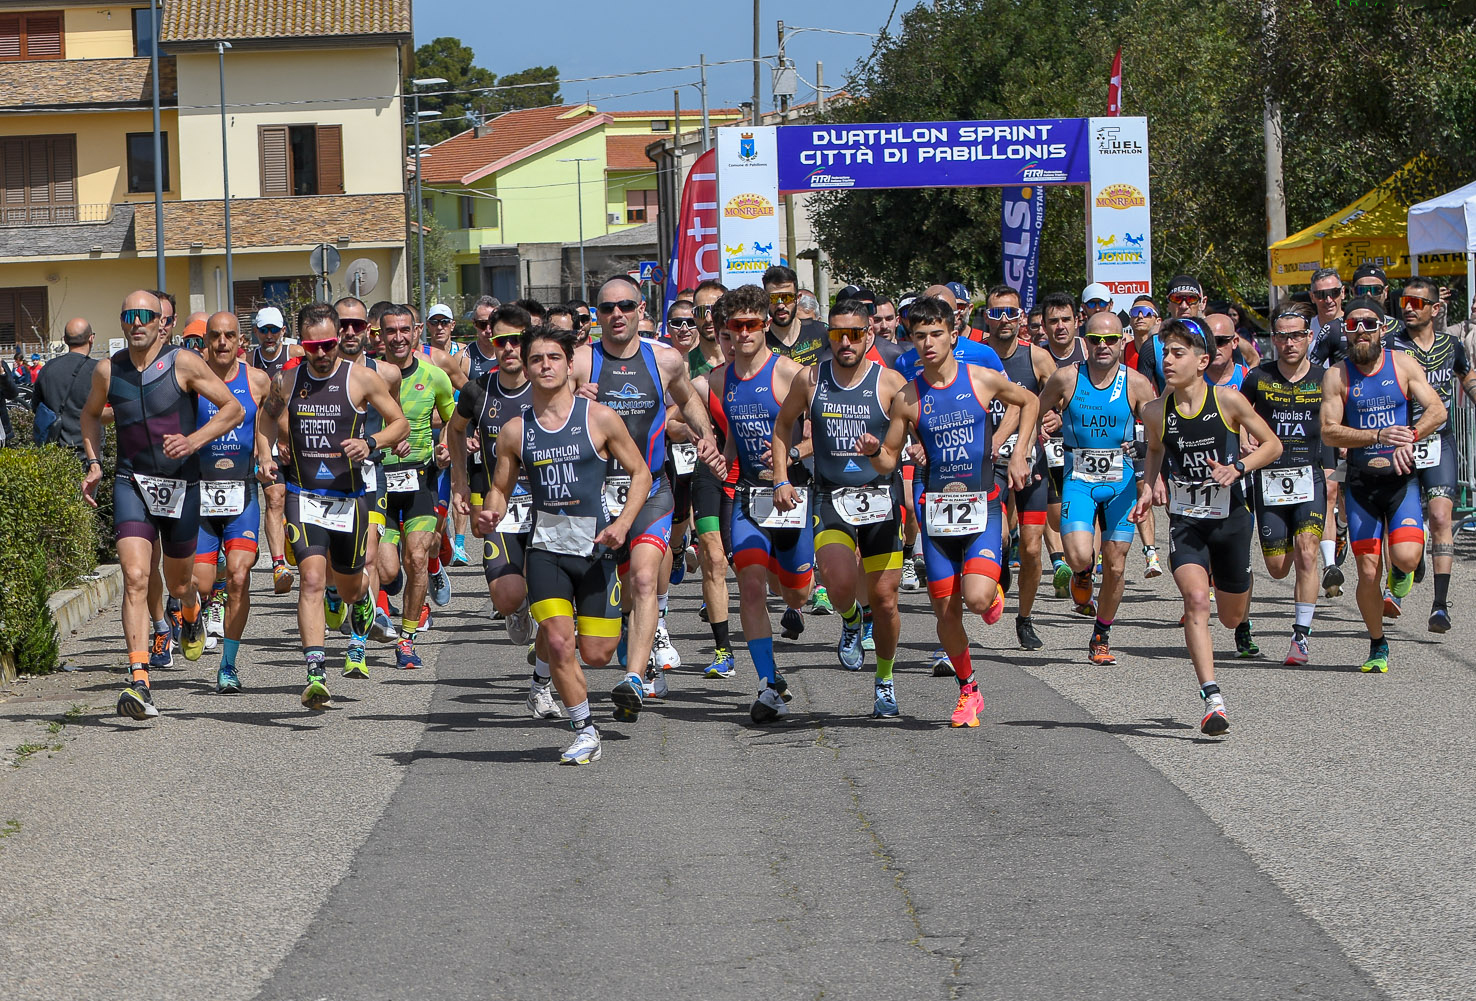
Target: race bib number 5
402, 481
163, 497
956, 513
1199, 500
1427, 452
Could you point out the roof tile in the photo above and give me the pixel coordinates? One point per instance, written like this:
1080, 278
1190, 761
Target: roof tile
210, 20
628, 152
450, 161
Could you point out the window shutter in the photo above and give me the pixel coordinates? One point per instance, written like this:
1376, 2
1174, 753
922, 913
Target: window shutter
38, 178
14, 153
10, 37
64, 178
43, 36
276, 167
330, 159
7, 316
33, 326
248, 300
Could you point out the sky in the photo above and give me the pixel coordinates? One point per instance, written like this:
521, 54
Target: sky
657, 35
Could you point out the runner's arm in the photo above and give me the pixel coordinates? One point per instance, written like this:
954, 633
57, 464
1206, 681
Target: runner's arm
1153, 465
889, 452
1247, 421
97, 400
456, 440
796, 403
694, 414
377, 395
1334, 432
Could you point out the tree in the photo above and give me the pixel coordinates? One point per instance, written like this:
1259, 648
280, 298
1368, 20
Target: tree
439, 260
465, 99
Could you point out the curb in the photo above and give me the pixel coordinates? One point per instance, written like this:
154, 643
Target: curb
72, 609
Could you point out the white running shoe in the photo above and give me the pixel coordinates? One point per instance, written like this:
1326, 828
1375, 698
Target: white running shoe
691, 557
909, 577
214, 620
520, 627
769, 707
541, 702
584, 750
664, 653
655, 684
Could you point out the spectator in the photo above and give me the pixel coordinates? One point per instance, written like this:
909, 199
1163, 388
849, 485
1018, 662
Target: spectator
7, 393
33, 370
18, 370
62, 388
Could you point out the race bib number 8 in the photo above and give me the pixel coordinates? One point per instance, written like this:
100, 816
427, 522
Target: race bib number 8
333, 513
956, 513
1055, 451
617, 492
1199, 500
163, 497
1427, 452
222, 499
761, 508
1097, 465
1286, 486
402, 481
862, 505
684, 458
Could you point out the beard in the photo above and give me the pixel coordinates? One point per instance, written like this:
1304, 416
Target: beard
1365, 352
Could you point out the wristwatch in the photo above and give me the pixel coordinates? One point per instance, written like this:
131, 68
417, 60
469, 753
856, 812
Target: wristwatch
1239, 467
794, 454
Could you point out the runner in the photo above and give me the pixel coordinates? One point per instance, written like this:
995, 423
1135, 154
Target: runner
789, 335
947, 408
636, 378
569, 442
1058, 322
1290, 499
230, 516
271, 356
707, 355
857, 513
1100, 403
681, 462
1139, 354
1366, 408
152, 388
480, 356
318, 409
1194, 433
438, 325
1224, 369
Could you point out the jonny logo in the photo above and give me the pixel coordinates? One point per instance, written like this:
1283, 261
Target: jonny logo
1129, 250
748, 207
755, 259
1120, 196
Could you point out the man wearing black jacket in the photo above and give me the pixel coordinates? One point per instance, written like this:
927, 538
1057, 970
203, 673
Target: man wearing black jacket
64, 384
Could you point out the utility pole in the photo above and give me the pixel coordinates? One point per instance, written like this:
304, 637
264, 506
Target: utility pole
419, 190
578, 162
819, 88
783, 97
1275, 184
758, 115
225, 175
706, 140
158, 151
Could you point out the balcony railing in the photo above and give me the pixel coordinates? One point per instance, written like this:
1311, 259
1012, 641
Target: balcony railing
19, 216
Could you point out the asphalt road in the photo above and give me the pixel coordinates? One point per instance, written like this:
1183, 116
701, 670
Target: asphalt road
419, 839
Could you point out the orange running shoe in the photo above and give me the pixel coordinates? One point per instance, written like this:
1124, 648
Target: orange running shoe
970, 704
1081, 588
995, 609
1098, 651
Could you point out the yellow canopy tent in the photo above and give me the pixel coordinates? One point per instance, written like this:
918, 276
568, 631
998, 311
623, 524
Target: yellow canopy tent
1371, 230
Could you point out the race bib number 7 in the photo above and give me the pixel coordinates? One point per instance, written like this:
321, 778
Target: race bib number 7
336, 514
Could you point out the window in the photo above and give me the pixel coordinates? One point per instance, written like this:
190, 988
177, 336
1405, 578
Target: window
40, 177
287, 294
471, 279
143, 32
661, 125
468, 212
301, 160
141, 161
640, 206
23, 316
33, 35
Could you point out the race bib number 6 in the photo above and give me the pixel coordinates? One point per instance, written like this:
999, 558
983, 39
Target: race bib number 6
222, 499
1055, 452
956, 513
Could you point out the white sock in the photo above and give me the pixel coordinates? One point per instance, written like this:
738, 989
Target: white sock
1329, 549
161, 625
1304, 610
579, 715
541, 672
661, 603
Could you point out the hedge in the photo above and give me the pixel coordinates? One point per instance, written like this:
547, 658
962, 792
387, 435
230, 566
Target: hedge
48, 539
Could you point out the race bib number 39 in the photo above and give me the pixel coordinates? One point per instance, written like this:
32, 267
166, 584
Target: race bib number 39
163, 497
1199, 500
1427, 452
1286, 486
222, 499
862, 505
761, 507
1097, 465
956, 513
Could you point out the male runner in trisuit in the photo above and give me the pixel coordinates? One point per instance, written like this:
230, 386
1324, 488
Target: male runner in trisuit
958, 504
638, 379
1063, 347
565, 443
1100, 402
1224, 369
270, 356
1030, 367
480, 356
318, 410
1194, 434
1443, 357
788, 334
1366, 408
410, 474
230, 516
769, 545
857, 513
152, 388
707, 355
1290, 497
681, 459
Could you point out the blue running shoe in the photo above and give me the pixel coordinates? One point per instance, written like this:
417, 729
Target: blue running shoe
886, 701
628, 697
227, 682
1440, 620
440, 588
867, 642
406, 659
161, 653
722, 666
620, 650
848, 649
678, 569
942, 665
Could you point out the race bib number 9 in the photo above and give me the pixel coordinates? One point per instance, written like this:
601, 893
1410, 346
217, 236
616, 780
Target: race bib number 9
222, 499
1097, 465
862, 505
402, 481
336, 514
617, 493
684, 458
163, 497
956, 513
1427, 452
1055, 452
1199, 500
1286, 486
761, 508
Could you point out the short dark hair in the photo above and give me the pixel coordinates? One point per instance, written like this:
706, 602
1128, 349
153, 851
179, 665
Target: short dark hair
565, 339
350, 301
682, 303
163, 296
1301, 310
377, 310
1003, 290
1057, 300
851, 307
929, 309
533, 307
710, 283
778, 274
1421, 281
396, 309
315, 313
554, 311
1322, 273
885, 300
513, 315
1144, 297
577, 304
745, 299
686, 293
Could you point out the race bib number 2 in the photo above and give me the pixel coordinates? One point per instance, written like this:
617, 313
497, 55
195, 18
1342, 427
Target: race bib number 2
684, 458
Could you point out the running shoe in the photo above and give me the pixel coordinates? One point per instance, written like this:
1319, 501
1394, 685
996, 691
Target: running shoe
655, 686
353, 661
1081, 590
1400, 583
662, 652
995, 611
1332, 580
868, 642
1439, 620
1393, 605
1245, 643
192, 636
282, 578
678, 568
458, 553
1340, 549
628, 697
620, 646
335, 610
782, 687
1151, 567
722, 665
769, 707
1025, 633
406, 659
383, 630
520, 626
692, 560
215, 617
1378, 660
1297, 653
791, 624
315, 696
1214, 723
886, 701
585, 750
440, 587
820, 602
541, 701
136, 702
1099, 651
942, 666
909, 577
175, 618
848, 648
161, 652
426, 619
1061, 579
227, 681
360, 618
702, 611
970, 704
532, 654
1006, 579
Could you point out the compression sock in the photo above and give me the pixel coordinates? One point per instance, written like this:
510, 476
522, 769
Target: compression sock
138, 661
1442, 589
963, 666
661, 601
1304, 610
1329, 549
884, 668
408, 627
382, 600
762, 652
433, 565
852, 615
720, 634
228, 648
1057, 559
314, 657
578, 715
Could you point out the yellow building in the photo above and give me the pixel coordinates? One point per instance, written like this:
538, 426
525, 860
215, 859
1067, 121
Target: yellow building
314, 133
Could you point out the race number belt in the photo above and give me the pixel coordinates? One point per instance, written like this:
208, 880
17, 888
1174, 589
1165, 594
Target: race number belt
222, 498
1198, 500
401, 481
761, 508
956, 513
336, 514
684, 458
562, 533
1007, 450
617, 492
162, 496
1055, 452
862, 505
519, 515
369, 473
1286, 486
1096, 465
1427, 452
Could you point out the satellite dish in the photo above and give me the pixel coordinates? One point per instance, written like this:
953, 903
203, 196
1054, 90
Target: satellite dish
360, 277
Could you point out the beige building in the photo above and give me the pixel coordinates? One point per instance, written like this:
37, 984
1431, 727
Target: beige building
314, 133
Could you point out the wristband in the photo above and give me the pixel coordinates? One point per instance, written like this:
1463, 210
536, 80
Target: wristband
781, 483
91, 462
1379, 436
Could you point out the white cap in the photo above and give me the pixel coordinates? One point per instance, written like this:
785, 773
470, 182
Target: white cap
268, 316
1096, 290
439, 309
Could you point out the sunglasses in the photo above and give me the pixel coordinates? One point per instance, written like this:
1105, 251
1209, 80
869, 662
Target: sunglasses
1184, 298
1367, 323
624, 305
352, 323
1095, 339
270, 329
134, 316
1003, 312
583, 317
1368, 289
681, 322
1225, 341
168, 321
325, 344
194, 341
1138, 311
701, 311
849, 334
781, 298
1328, 293
1415, 302
440, 321
748, 326
1197, 329
1291, 335
503, 340
1096, 304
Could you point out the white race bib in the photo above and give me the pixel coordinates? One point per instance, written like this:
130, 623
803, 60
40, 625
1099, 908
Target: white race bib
684, 458
956, 513
1427, 452
370, 473
617, 492
1199, 500
163, 497
222, 498
401, 481
561, 533
1008, 448
519, 515
862, 505
1055, 452
1286, 486
333, 513
761, 508
1097, 465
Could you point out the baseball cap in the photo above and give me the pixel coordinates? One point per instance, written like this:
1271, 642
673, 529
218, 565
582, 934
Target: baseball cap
35, 356
1185, 285
1370, 271
856, 292
195, 328
960, 292
439, 309
268, 316
1096, 290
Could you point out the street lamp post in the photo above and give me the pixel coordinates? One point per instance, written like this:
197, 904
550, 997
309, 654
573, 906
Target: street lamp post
158, 154
577, 161
225, 174
419, 199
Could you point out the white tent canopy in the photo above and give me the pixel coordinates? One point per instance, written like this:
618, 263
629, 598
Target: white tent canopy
1446, 224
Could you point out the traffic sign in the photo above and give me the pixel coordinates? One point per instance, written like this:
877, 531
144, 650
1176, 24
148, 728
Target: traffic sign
648, 271
324, 259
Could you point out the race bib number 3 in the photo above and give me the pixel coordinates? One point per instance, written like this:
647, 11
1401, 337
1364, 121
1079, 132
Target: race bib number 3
956, 513
1097, 465
862, 505
163, 497
336, 514
617, 493
1286, 486
1427, 452
1199, 500
222, 499
684, 458
761, 508
1055, 452
402, 481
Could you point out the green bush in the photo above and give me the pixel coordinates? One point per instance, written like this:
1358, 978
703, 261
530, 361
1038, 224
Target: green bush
48, 539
